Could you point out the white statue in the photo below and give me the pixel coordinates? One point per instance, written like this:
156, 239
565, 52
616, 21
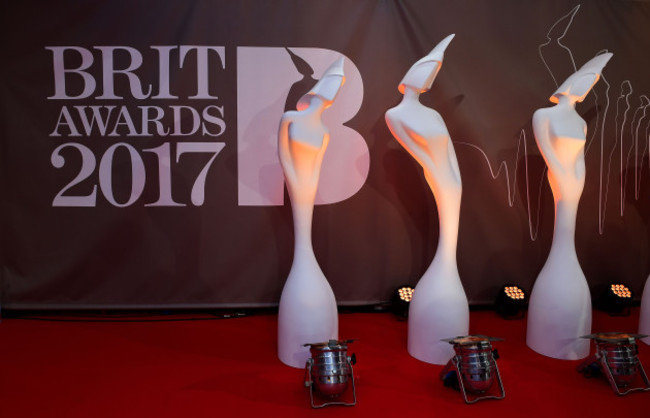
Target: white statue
308, 311
644, 319
560, 304
439, 306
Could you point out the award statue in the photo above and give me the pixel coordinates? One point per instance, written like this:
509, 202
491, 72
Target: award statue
439, 306
308, 311
559, 312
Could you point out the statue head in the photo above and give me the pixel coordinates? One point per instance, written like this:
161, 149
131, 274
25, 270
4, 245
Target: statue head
421, 75
327, 87
579, 84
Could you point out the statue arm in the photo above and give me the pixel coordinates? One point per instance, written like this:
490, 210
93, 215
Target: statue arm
403, 136
580, 162
580, 167
418, 147
543, 139
453, 160
318, 159
284, 150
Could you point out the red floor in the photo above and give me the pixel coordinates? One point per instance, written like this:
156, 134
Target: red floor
224, 368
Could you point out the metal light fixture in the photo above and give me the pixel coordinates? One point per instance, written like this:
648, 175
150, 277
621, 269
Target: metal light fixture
617, 357
402, 300
329, 373
475, 368
511, 302
616, 299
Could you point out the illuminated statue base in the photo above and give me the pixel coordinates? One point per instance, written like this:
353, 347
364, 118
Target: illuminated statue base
438, 310
307, 312
559, 312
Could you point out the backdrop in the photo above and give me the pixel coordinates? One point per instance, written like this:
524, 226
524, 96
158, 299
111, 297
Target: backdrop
139, 164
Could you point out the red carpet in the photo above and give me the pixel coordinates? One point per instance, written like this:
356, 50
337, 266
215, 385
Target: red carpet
225, 368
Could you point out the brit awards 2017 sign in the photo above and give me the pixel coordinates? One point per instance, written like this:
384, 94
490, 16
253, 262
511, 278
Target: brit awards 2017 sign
111, 121
259, 102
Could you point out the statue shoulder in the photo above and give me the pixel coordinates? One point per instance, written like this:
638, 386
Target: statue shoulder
543, 112
289, 115
542, 116
392, 113
404, 115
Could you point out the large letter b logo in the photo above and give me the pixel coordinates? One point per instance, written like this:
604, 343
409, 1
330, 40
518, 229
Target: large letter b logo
270, 81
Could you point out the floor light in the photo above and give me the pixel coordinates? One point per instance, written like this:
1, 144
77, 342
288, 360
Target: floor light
329, 374
402, 300
475, 368
617, 358
511, 302
616, 299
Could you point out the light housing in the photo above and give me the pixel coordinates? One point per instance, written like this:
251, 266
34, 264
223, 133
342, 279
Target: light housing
511, 302
329, 374
473, 370
616, 299
617, 358
401, 300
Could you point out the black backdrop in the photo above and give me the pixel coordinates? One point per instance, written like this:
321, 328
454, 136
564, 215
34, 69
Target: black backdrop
119, 250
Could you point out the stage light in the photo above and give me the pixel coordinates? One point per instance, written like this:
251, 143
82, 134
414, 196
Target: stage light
617, 357
405, 293
401, 301
475, 368
329, 373
616, 299
511, 302
621, 291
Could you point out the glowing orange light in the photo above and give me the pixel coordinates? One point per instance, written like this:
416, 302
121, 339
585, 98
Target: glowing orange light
621, 291
405, 293
514, 292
